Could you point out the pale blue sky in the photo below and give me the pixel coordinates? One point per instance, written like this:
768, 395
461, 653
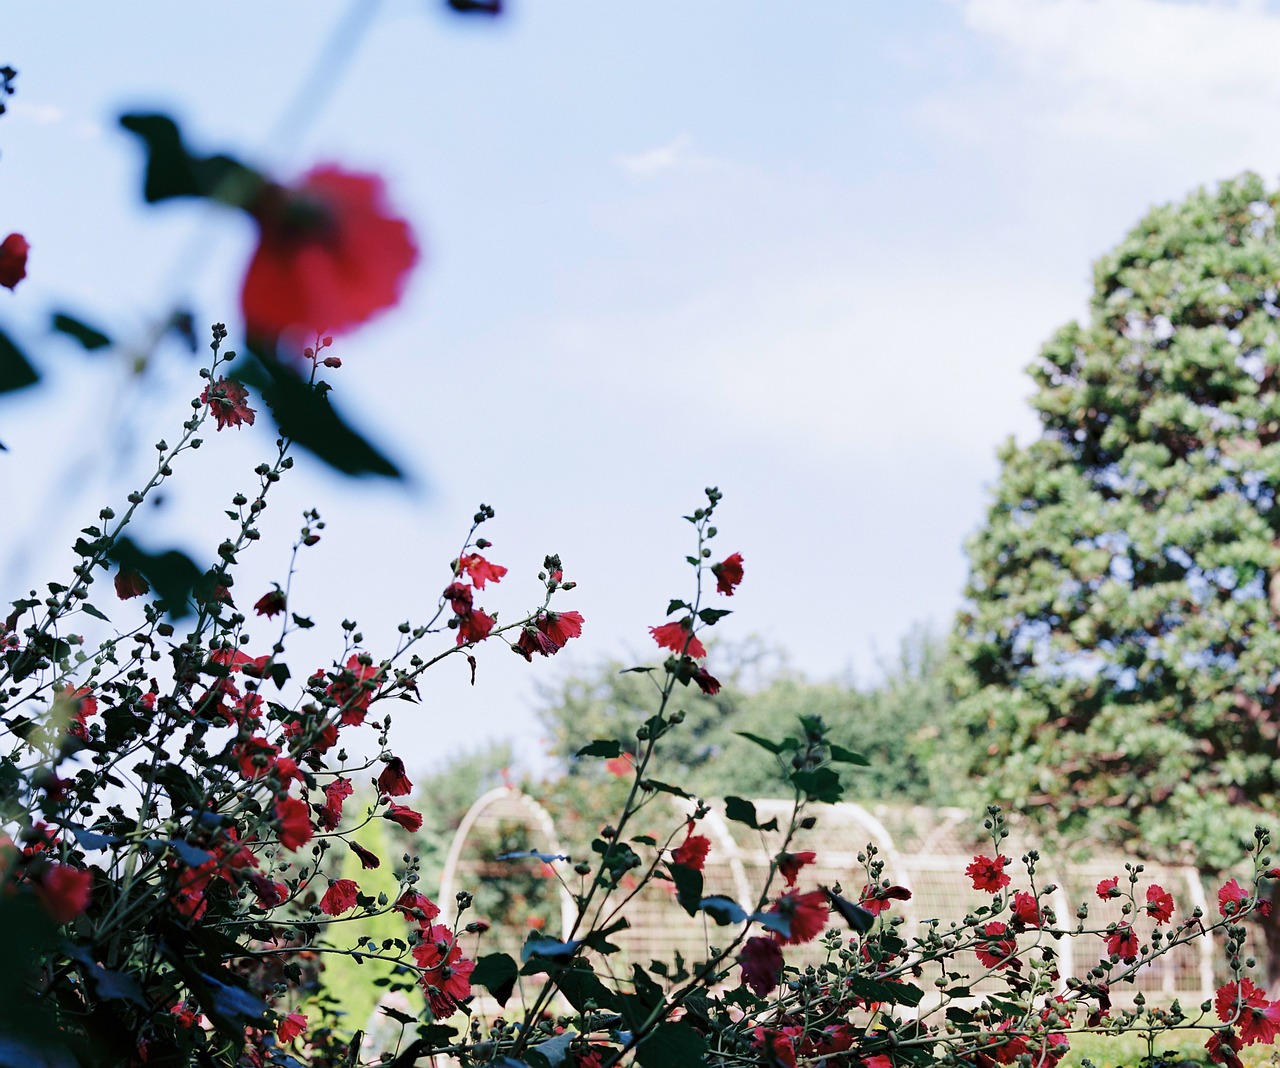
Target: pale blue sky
799, 251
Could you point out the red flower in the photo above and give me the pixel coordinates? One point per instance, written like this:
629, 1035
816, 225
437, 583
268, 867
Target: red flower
679, 638
64, 891
1123, 942
1231, 898
291, 1027
728, 573
1257, 1018
474, 626
761, 961
270, 894
789, 864
367, 859
130, 584
226, 401
988, 874
340, 897
354, 688
1159, 903
549, 633
1223, 1046
271, 604
479, 570
330, 813
294, 822
459, 597
13, 260
393, 781
1231, 997
1108, 888
256, 757
620, 765
1025, 910
875, 899
998, 951
329, 256
1260, 1024
446, 976
707, 682
807, 912
778, 1047
692, 852
404, 816
416, 906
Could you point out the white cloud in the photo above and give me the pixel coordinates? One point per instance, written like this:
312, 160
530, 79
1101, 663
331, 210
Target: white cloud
677, 154
40, 114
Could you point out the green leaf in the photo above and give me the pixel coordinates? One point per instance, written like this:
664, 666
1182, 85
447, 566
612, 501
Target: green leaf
15, 371
820, 784
885, 990
496, 972
724, 910
628, 671
740, 810
665, 788
89, 609
688, 886
778, 922
396, 1014
552, 1052
764, 743
673, 1044
546, 858
580, 984
841, 755
860, 919
173, 172
547, 948
601, 747
675, 606
711, 616
90, 339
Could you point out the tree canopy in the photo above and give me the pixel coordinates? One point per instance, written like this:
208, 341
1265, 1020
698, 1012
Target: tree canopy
1120, 639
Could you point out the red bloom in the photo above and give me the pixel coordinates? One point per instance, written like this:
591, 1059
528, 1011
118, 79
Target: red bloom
789, 864
340, 897
679, 638
294, 822
446, 976
130, 584
988, 874
807, 912
479, 570
692, 852
393, 781
1231, 897
998, 951
875, 899
1231, 997
761, 961
271, 604
354, 688
404, 816
778, 1046
1260, 1023
64, 891
226, 401
1025, 910
255, 757
416, 906
1223, 1046
367, 859
329, 256
270, 894
474, 626
330, 813
560, 626
728, 573
1159, 903
13, 260
1123, 942
291, 1027
1108, 888
620, 765
459, 597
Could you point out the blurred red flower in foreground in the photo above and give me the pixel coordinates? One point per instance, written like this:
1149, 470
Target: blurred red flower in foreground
13, 260
329, 256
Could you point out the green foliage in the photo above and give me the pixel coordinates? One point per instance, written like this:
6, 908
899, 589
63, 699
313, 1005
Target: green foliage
899, 725
1120, 642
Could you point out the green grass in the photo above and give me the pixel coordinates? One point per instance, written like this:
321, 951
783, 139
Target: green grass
1127, 1051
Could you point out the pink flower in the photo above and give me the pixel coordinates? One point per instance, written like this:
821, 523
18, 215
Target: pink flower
761, 961
728, 573
1159, 903
679, 638
226, 401
13, 260
988, 874
329, 255
340, 897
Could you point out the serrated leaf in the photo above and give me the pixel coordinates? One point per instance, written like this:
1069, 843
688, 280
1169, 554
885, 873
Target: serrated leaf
675, 606
820, 784
90, 339
396, 1014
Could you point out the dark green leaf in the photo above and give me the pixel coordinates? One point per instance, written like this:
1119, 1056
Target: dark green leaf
724, 910
673, 1044
628, 671
496, 972
860, 919
172, 575
665, 788
688, 886
764, 743
841, 755
92, 840
675, 606
580, 984
552, 1052
774, 921
885, 990
396, 1014
15, 371
301, 621
89, 609
548, 948
740, 810
173, 172
601, 747
711, 616
90, 339
820, 784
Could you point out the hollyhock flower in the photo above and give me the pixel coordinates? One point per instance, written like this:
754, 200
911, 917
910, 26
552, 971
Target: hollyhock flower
446, 976
291, 1026
475, 626
777, 1045
354, 688
329, 255
271, 603
560, 626
706, 682
294, 822
728, 573
761, 961
880, 1060
875, 899
255, 757
999, 949
330, 813
479, 570
692, 852
620, 765
1108, 888
1231, 898
1259, 1023
459, 598
1123, 942
340, 897
367, 859
270, 894
226, 401
64, 891
130, 584
393, 781
404, 816
1159, 903
185, 1016
789, 864
679, 638
416, 907
1231, 997
82, 705
532, 641
1011, 1047
1223, 1046
807, 913
988, 874
835, 1038
1026, 911
13, 260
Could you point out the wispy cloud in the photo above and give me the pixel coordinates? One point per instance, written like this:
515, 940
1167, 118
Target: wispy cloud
677, 154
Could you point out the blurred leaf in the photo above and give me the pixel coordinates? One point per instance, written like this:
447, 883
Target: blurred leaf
552, 1052
764, 743
544, 946
778, 922
724, 910
89, 338
673, 1044
688, 886
173, 172
860, 919
885, 990
172, 575
841, 755
546, 858
820, 784
15, 371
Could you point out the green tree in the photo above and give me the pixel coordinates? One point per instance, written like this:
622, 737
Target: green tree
1120, 640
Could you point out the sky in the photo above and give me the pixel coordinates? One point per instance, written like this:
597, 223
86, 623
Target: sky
803, 253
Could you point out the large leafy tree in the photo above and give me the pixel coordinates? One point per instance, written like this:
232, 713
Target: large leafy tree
1120, 640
